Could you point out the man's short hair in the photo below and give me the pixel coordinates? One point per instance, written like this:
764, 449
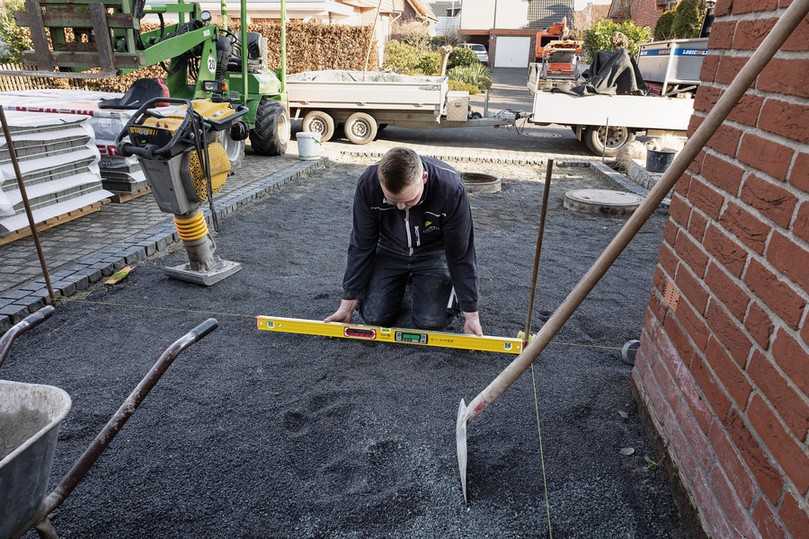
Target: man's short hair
398, 168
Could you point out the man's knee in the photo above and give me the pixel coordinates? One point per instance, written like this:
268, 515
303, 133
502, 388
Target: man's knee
433, 322
378, 314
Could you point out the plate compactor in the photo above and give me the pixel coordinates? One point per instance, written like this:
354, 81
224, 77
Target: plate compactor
178, 144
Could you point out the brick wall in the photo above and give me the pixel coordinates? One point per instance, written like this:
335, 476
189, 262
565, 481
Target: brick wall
644, 12
723, 368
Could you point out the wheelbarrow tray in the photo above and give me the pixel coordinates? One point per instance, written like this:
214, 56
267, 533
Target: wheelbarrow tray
30, 415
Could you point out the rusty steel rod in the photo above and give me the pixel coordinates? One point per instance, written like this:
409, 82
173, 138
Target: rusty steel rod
117, 421
21, 327
543, 212
12, 152
788, 21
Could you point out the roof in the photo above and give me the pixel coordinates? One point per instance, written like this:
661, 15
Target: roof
423, 9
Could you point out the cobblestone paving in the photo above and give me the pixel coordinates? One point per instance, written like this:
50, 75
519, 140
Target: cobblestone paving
82, 251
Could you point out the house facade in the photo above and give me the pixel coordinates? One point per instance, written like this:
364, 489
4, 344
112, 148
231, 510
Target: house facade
641, 12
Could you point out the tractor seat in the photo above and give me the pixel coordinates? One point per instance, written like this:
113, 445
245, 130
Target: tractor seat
139, 93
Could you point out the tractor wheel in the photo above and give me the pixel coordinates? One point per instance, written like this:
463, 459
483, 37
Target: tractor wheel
317, 121
599, 142
272, 130
360, 128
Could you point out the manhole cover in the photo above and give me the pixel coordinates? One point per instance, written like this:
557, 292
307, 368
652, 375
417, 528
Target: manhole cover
602, 201
476, 182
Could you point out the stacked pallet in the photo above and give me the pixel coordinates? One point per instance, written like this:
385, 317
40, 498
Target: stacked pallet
58, 160
120, 174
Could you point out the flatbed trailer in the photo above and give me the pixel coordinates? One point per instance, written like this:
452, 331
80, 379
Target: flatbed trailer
364, 107
605, 123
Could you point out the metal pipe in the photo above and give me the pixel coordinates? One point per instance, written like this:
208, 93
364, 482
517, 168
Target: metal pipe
546, 193
283, 51
117, 421
243, 38
790, 19
21, 327
12, 152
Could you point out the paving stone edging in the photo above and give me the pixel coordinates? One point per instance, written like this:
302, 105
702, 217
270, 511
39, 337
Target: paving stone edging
17, 303
624, 181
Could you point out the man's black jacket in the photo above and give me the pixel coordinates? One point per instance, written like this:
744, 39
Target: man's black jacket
440, 223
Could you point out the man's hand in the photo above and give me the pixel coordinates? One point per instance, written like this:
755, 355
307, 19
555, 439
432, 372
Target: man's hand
344, 312
471, 325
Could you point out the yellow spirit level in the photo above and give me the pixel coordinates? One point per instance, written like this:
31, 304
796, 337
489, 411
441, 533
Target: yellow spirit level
417, 337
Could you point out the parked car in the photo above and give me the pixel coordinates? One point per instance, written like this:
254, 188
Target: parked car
479, 50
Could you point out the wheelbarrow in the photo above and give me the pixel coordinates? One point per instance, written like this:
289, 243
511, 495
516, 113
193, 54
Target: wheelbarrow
30, 415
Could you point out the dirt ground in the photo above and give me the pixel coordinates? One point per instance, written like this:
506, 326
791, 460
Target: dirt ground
253, 434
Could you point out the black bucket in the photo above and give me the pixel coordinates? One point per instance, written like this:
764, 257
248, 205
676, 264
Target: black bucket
659, 160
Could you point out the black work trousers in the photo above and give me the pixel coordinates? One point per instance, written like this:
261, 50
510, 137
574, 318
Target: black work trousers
433, 300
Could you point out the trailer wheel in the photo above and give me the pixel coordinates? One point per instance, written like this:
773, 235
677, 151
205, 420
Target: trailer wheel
272, 130
361, 128
599, 144
317, 121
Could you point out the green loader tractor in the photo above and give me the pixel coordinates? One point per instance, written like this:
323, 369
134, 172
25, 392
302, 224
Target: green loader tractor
93, 39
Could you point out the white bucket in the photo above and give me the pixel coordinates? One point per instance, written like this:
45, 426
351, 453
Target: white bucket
309, 146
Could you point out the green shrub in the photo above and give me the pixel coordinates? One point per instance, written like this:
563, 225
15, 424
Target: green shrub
663, 28
401, 57
688, 19
15, 38
477, 75
429, 63
461, 86
461, 56
599, 37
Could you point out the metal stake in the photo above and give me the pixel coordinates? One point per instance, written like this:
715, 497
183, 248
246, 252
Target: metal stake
24, 194
538, 252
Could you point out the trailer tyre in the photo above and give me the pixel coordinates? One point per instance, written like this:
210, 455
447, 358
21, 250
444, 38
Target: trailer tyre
595, 140
360, 128
317, 121
272, 130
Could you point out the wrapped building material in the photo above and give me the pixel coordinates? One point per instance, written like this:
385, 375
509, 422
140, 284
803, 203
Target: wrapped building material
120, 174
58, 159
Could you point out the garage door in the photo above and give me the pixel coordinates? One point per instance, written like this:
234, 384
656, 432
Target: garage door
512, 51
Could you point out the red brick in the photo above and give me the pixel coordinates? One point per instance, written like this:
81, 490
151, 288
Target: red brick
750, 33
670, 233
693, 324
731, 463
765, 155
679, 211
679, 339
785, 76
736, 516
668, 260
768, 479
770, 199
728, 292
728, 373
728, 333
682, 185
725, 140
723, 7
749, 6
759, 325
709, 65
695, 166
792, 359
705, 198
751, 230
722, 174
801, 224
722, 35
693, 124
729, 66
706, 98
786, 119
799, 177
790, 258
766, 521
689, 251
775, 293
746, 110
691, 288
784, 399
795, 517
729, 253
786, 451
697, 225
799, 40
709, 385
